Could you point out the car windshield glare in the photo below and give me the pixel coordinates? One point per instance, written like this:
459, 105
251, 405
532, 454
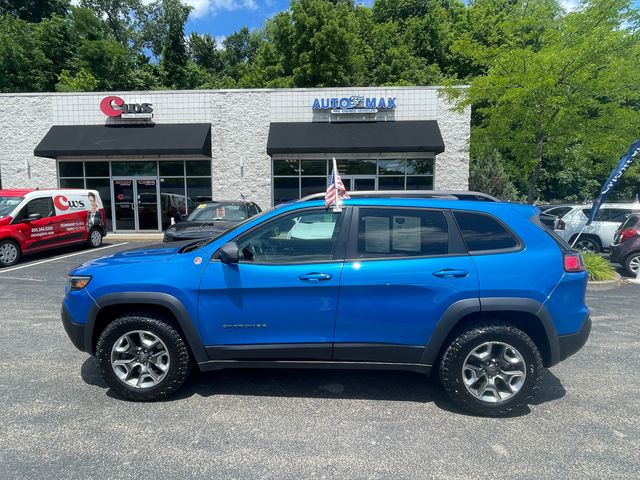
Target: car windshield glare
209, 212
7, 204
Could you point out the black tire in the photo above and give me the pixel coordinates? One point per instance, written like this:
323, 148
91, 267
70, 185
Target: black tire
9, 253
451, 373
587, 243
632, 257
94, 239
179, 364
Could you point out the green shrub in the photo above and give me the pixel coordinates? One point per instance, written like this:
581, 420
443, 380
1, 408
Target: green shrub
597, 267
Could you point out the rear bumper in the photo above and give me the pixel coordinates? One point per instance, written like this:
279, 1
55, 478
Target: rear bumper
570, 344
75, 331
615, 254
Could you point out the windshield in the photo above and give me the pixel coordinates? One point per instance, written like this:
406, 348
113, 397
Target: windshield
7, 204
209, 212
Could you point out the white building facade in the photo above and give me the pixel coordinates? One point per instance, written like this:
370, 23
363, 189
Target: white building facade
143, 150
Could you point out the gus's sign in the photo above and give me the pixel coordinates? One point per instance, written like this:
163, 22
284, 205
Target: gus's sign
113, 106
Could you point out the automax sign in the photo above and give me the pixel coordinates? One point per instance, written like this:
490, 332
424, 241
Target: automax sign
113, 106
354, 104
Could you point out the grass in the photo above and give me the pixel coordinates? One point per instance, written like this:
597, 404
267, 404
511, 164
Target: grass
597, 267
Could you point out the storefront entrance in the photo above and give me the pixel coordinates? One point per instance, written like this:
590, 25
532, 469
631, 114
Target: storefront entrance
135, 202
359, 183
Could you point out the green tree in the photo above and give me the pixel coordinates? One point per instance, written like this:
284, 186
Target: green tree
82, 81
123, 18
174, 53
487, 174
33, 10
23, 65
556, 81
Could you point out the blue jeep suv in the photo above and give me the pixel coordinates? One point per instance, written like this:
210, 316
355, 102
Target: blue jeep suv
479, 291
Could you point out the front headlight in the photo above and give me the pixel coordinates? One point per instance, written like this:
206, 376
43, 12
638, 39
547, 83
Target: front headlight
77, 282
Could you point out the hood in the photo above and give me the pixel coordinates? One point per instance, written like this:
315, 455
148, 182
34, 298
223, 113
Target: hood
148, 253
188, 228
5, 221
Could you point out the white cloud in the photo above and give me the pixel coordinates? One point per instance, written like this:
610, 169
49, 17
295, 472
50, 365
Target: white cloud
219, 40
202, 8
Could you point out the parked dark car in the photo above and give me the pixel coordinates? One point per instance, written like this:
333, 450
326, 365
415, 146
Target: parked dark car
626, 244
210, 219
551, 213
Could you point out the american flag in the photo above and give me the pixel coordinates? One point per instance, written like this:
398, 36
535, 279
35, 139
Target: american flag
332, 196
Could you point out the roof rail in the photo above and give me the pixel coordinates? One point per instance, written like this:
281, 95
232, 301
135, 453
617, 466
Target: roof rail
441, 194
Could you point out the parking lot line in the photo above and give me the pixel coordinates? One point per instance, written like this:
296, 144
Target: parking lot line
61, 257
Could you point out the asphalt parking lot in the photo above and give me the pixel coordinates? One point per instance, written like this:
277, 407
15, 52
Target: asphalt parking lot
58, 420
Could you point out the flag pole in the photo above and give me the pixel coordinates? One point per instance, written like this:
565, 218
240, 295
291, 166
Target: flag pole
338, 207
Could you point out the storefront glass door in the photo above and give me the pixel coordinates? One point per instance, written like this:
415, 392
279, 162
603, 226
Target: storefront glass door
135, 204
359, 183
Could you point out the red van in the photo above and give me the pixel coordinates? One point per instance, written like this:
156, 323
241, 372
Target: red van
35, 220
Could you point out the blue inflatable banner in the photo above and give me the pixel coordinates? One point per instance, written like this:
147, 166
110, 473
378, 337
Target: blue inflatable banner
616, 175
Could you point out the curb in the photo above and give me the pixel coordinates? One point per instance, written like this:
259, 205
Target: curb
602, 285
135, 237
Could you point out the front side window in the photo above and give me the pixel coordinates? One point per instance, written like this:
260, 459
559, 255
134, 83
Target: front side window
399, 232
42, 206
482, 232
303, 237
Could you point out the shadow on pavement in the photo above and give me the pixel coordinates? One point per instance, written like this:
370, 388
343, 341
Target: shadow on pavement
337, 384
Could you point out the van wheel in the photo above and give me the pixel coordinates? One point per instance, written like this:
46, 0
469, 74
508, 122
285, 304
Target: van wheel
142, 358
95, 238
632, 263
9, 253
491, 369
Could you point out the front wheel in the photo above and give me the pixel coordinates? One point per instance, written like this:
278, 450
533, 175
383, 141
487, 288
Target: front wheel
491, 369
142, 358
95, 238
9, 253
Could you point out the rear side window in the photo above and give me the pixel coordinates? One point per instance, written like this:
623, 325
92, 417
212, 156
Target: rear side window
399, 232
615, 215
483, 233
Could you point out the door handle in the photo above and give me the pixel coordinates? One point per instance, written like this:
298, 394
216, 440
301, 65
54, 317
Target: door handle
315, 277
450, 273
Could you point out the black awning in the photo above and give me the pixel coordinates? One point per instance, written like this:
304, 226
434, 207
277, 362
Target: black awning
153, 139
360, 137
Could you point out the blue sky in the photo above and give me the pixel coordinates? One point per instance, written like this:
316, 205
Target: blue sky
223, 17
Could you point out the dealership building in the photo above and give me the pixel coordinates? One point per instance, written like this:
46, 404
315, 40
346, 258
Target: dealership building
150, 152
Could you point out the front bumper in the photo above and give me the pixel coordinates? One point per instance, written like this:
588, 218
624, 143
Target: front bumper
75, 331
570, 344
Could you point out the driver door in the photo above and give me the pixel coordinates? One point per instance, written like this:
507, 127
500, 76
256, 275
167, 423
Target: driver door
280, 300
39, 233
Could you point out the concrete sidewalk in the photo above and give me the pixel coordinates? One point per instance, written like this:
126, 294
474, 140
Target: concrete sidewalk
135, 237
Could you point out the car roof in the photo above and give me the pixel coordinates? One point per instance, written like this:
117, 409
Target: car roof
15, 192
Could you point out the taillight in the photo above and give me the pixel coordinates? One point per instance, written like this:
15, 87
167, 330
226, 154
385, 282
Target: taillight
573, 262
560, 225
628, 234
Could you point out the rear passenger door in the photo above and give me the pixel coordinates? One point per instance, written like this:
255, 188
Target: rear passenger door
404, 268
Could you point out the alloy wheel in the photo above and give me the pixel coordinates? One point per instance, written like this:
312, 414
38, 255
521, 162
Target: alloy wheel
96, 238
8, 253
140, 359
587, 245
634, 264
494, 372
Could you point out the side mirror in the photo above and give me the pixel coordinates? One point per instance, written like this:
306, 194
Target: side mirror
229, 253
33, 216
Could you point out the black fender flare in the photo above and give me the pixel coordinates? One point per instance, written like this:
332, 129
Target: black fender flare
460, 309
165, 300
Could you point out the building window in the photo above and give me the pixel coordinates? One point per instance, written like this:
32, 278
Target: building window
297, 178
182, 183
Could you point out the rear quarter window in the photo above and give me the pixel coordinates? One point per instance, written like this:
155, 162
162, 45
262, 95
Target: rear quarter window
483, 233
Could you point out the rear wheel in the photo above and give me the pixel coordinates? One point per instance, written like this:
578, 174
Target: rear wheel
588, 244
142, 358
95, 237
632, 264
491, 369
9, 253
